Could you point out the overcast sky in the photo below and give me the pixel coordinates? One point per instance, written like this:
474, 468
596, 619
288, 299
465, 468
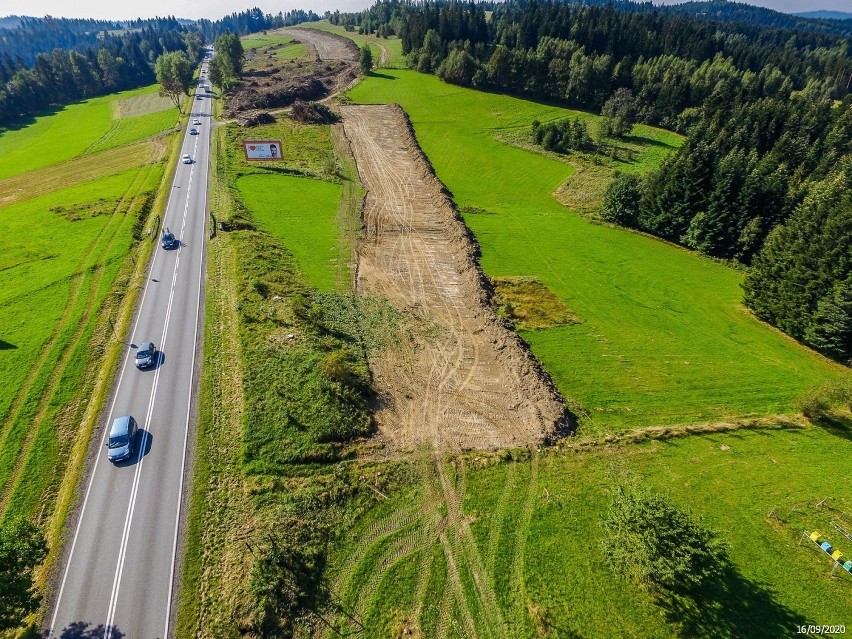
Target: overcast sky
213, 9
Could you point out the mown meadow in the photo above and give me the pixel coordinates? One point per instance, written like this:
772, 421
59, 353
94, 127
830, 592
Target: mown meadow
662, 336
78, 186
532, 562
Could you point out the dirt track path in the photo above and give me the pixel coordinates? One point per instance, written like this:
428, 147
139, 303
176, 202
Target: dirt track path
328, 46
463, 381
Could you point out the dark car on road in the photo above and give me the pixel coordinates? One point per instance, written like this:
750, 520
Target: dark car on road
121, 437
168, 240
146, 355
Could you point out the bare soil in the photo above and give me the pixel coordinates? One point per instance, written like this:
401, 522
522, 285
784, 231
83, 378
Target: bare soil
269, 83
456, 377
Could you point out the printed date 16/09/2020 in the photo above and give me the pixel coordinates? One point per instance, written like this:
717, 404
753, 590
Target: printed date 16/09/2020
810, 629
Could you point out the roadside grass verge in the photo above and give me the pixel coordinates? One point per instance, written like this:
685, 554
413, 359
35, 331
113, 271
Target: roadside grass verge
663, 337
285, 382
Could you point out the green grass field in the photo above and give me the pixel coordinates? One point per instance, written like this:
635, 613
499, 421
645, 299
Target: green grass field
264, 40
64, 250
530, 562
663, 337
77, 129
301, 214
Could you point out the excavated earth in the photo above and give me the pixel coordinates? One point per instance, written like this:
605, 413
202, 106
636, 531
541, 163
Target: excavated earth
269, 83
456, 378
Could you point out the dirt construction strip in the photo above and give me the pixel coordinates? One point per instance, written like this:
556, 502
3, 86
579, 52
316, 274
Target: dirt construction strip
329, 46
456, 378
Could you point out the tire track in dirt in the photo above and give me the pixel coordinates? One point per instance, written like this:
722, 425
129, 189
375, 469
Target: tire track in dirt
468, 383
519, 584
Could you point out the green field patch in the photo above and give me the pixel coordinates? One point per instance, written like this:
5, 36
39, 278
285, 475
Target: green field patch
76, 129
664, 337
583, 189
139, 127
77, 212
529, 304
300, 213
141, 105
264, 40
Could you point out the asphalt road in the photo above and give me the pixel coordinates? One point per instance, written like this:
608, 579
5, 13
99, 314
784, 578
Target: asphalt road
119, 569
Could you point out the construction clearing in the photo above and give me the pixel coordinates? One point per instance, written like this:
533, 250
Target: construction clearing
457, 377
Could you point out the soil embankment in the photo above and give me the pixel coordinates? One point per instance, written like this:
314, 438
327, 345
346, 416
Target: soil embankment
456, 377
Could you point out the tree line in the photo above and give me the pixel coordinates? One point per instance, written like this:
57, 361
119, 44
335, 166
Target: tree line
119, 62
253, 21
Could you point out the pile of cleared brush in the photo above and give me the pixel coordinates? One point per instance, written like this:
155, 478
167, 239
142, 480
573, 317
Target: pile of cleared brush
313, 113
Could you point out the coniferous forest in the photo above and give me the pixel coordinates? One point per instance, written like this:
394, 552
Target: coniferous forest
764, 175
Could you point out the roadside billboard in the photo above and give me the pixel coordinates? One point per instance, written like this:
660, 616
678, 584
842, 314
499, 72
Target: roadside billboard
262, 149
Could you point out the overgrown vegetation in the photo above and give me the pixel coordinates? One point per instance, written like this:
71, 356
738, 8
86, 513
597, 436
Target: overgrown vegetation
528, 304
563, 136
22, 548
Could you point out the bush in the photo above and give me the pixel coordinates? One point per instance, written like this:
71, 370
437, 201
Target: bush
621, 200
817, 402
563, 136
653, 542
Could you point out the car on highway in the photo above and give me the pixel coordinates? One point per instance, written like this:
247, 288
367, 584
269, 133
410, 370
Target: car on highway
168, 239
146, 355
196, 121
121, 437
198, 97
193, 131
186, 159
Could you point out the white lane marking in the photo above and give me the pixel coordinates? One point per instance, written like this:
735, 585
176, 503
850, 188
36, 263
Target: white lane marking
189, 400
119, 570
103, 440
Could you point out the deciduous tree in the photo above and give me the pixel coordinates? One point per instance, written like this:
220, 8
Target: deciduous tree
174, 73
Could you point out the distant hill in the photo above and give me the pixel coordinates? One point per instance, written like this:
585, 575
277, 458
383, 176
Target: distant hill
725, 11
10, 22
735, 12
825, 15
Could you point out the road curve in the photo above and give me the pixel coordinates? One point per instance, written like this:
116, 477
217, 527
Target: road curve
120, 560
